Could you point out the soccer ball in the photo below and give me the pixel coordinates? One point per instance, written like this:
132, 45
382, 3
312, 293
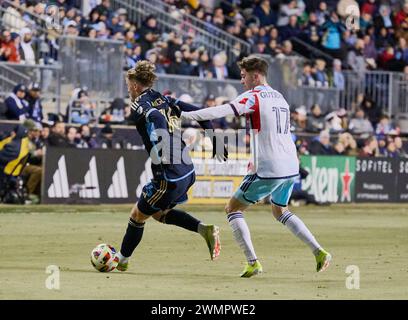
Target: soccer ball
104, 258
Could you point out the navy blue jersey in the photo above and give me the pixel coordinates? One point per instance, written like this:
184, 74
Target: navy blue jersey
152, 113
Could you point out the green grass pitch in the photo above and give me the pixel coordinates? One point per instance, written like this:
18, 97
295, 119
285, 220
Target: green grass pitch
172, 263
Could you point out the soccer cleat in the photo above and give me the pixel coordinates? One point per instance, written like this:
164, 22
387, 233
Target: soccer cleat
212, 237
122, 266
251, 270
323, 259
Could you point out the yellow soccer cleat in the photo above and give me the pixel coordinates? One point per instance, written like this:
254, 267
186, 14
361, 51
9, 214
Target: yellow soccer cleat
323, 259
251, 270
122, 266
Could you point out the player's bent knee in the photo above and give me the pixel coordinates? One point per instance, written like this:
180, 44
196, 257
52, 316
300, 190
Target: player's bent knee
278, 211
137, 215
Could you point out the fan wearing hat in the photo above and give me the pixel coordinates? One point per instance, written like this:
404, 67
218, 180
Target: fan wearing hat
105, 138
33, 172
33, 98
26, 49
16, 105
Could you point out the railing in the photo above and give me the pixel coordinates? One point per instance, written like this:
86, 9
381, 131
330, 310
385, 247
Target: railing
387, 89
93, 63
198, 88
309, 51
48, 76
168, 17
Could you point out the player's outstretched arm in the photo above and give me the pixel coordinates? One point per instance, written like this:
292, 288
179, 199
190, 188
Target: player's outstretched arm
211, 113
187, 107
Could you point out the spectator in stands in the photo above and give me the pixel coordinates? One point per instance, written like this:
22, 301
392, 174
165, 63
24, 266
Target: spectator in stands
27, 52
321, 78
401, 52
402, 16
149, 33
287, 48
33, 170
400, 147
290, 9
299, 119
382, 145
104, 8
355, 58
57, 137
307, 78
12, 152
291, 29
115, 113
266, 15
370, 148
80, 109
370, 50
321, 144
105, 138
349, 144
391, 151
311, 32
45, 132
359, 124
220, 70
179, 65
204, 65
9, 43
322, 13
35, 108
371, 110
72, 136
315, 121
334, 122
87, 138
338, 76
384, 125
153, 57
339, 149
332, 30
71, 29
16, 105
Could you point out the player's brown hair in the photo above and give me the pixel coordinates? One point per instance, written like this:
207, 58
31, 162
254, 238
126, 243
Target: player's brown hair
253, 63
143, 73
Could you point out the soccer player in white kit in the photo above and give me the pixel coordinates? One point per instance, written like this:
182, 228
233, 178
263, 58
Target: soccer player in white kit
274, 165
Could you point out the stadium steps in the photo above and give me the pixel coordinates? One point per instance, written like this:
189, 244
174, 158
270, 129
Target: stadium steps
169, 19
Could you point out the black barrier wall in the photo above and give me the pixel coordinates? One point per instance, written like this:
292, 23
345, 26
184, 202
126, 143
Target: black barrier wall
81, 176
402, 185
381, 180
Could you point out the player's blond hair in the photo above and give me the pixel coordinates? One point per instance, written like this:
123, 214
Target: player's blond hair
143, 73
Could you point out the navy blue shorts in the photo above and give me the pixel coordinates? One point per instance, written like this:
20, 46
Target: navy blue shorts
161, 194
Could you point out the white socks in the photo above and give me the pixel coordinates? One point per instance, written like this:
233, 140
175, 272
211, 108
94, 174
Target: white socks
242, 235
298, 228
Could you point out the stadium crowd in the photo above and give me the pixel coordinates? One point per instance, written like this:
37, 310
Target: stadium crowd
269, 26
366, 132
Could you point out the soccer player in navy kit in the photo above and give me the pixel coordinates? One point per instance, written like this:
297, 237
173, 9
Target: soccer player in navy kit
172, 178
